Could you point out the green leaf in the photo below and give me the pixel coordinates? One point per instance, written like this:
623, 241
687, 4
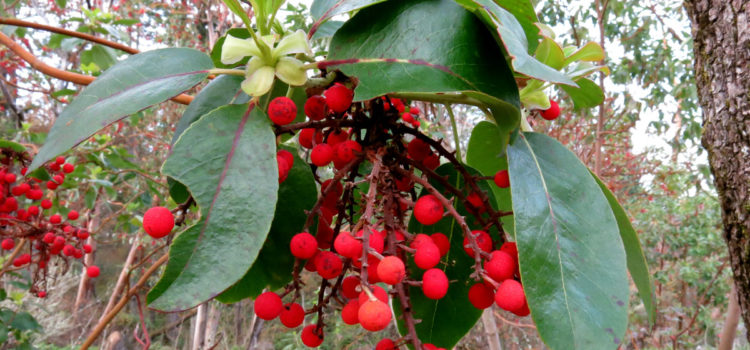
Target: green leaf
637, 265
486, 153
99, 55
510, 33
572, 260
228, 161
40, 174
15, 146
389, 45
524, 12
63, 92
241, 33
327, 30
180, 253
129, 86
550, 53
589, 52
273, 268
444, 322
23, 321
587, 95
322, 10
126, 21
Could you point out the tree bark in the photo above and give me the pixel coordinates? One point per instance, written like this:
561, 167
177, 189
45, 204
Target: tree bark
721, 33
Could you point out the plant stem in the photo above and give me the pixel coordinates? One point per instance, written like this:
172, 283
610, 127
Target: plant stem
456, 138
238, 72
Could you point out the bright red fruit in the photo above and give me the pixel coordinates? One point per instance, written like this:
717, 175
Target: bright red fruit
284, 167
377, 291
292, 315
428, 210
46, 204
349, 314
10, 178
328, 264
434, 284
510, 297
347, 150
87, 248
339, 98
432, 161
347, 246
55, 219
418, 149
502, 179
442, 242
72, 215
427, 255
501, 266
386, 344
68, 168
8, 244
315, 107
282, 110
303, 245
60, 160
336, 137
268, 306
92, 271
374, 315
306, 137
322, 154
484, 241
48, 237
312, 336
158, 222
41, 294
349, 287
552, 112
481, 296
391, 270
288, 156
419, 239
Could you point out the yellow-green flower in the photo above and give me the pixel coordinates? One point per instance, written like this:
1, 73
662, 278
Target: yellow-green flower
261, 70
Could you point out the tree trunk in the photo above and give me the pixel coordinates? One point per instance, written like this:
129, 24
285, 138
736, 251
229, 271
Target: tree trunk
721, 33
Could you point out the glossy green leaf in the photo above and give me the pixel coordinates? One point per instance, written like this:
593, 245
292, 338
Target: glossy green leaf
228, 161
587, 95
637, 265
327, 29
127, 87
550, 53
12, 145
524, 12
509, 32
322, 10
273, 268
572, 260
589, 52
397, 46
180, 252
241, 33
486, 153
444, 322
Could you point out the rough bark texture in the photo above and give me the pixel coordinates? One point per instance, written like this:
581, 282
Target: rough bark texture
721, 32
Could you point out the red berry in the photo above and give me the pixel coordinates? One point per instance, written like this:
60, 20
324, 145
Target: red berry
34, 194
386, 344
324, 235
328, 264
87, 248
83, 234
501, 266
349, 287
349, 314
55, 219
68, 250
8, 244
372, 270
158, 222
432, 161
306, 137
428, 210
427, 255
476, 201
315, 107
552, 112
481, 296
287, 156
77, 253
434, 284
442, 242
68, 168
407, 118
419, 239
284, 167
41, 294
58, 243
347, 246
502, 179
347, 150
46, 204
376, 240
268, 306
33, 210
377, 291
312, 336
20, 189
72, 215
51, 185
22, 260
484, 241
60, 160
336, 137
92, 271
510, 297
48, 238
391, 270
339, 98
58, 179
374, 315
303, 245
418, 149
414, 110
10, 178
292, 315
282, 110
322, 154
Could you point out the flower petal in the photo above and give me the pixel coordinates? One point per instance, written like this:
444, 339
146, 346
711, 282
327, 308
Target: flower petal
235, 49
254, 64
293, 43
290, 71
258, 83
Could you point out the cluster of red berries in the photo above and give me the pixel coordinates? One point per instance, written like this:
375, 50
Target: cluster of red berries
26, 211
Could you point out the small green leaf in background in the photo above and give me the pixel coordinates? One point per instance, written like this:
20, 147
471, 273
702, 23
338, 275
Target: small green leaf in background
127, 87
444, 322
550, 53
273, 268
12, 145
637, 265
572, 260
227, 159
587, 94
23, 321
589, 52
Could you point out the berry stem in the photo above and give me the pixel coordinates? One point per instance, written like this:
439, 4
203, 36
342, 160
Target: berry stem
12, 256
456, 138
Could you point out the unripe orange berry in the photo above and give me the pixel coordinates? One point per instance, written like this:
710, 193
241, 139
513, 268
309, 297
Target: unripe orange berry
374, 315
391, 270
